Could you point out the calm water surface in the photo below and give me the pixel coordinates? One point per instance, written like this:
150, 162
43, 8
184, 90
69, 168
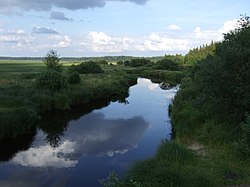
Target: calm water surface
78, 149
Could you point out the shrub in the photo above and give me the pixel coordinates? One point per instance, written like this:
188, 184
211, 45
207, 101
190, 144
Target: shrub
88, 67
73, 77
166, 64
51, 80
137, 62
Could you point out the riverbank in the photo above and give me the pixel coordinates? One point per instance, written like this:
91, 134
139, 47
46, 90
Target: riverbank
21, 104
211, 122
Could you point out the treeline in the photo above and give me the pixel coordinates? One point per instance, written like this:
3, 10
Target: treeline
168, 62
199, 53
80, 59
213, 104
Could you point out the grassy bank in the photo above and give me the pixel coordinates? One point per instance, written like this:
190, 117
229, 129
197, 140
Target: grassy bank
21, 103
211, 122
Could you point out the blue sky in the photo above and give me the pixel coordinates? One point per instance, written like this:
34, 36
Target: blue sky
113, 27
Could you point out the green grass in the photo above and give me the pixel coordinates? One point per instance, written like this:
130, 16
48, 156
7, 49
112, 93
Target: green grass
18, 91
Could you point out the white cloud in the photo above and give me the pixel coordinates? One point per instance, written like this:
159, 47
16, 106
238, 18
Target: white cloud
147, 83
92, 134
101, 43
60, 41
228, 26
46, 156
174, 27
15, 39
207, 35
155, 42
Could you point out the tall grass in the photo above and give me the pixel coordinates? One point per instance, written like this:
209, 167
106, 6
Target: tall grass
173, 165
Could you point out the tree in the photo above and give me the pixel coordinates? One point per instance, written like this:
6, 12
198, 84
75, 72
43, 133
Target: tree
224, 79
52, 60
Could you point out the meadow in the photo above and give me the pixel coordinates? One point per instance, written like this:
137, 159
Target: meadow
22, 103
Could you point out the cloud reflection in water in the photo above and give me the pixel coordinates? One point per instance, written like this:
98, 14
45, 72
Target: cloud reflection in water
92, 134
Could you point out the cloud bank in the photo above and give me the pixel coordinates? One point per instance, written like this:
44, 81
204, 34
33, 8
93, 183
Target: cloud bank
40, 39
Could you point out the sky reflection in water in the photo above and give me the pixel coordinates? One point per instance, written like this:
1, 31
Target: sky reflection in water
91, 146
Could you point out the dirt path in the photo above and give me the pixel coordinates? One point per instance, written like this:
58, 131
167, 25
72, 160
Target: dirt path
197, 148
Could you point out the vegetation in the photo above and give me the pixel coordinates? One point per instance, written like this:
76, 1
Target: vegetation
212, 106
52, 61
199, 53
28, 89
87, 67
210, 117
210, 113
166, 64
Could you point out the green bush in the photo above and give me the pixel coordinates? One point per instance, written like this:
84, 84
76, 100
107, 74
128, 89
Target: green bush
73, 77
166, 64
88, 67
51, 80
137, 62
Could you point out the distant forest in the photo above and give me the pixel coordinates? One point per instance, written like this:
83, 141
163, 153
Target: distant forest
106, 58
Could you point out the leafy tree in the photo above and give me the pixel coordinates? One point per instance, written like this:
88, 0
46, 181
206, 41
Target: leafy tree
52, 60
224, 79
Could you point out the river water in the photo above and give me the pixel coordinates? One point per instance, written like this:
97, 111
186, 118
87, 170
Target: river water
81, 148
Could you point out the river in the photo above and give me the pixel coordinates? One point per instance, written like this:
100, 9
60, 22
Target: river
79, 149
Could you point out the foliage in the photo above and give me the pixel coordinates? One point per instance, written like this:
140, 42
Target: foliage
73, 77
137, 62
166, 64
199, 53
12, 121
51, 80
224, 80
102, 62
52, 60
213, 103
88, 67
242, 146
173, 165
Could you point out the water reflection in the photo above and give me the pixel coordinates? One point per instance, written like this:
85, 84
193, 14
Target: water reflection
55, 123
92, 134
80, 146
